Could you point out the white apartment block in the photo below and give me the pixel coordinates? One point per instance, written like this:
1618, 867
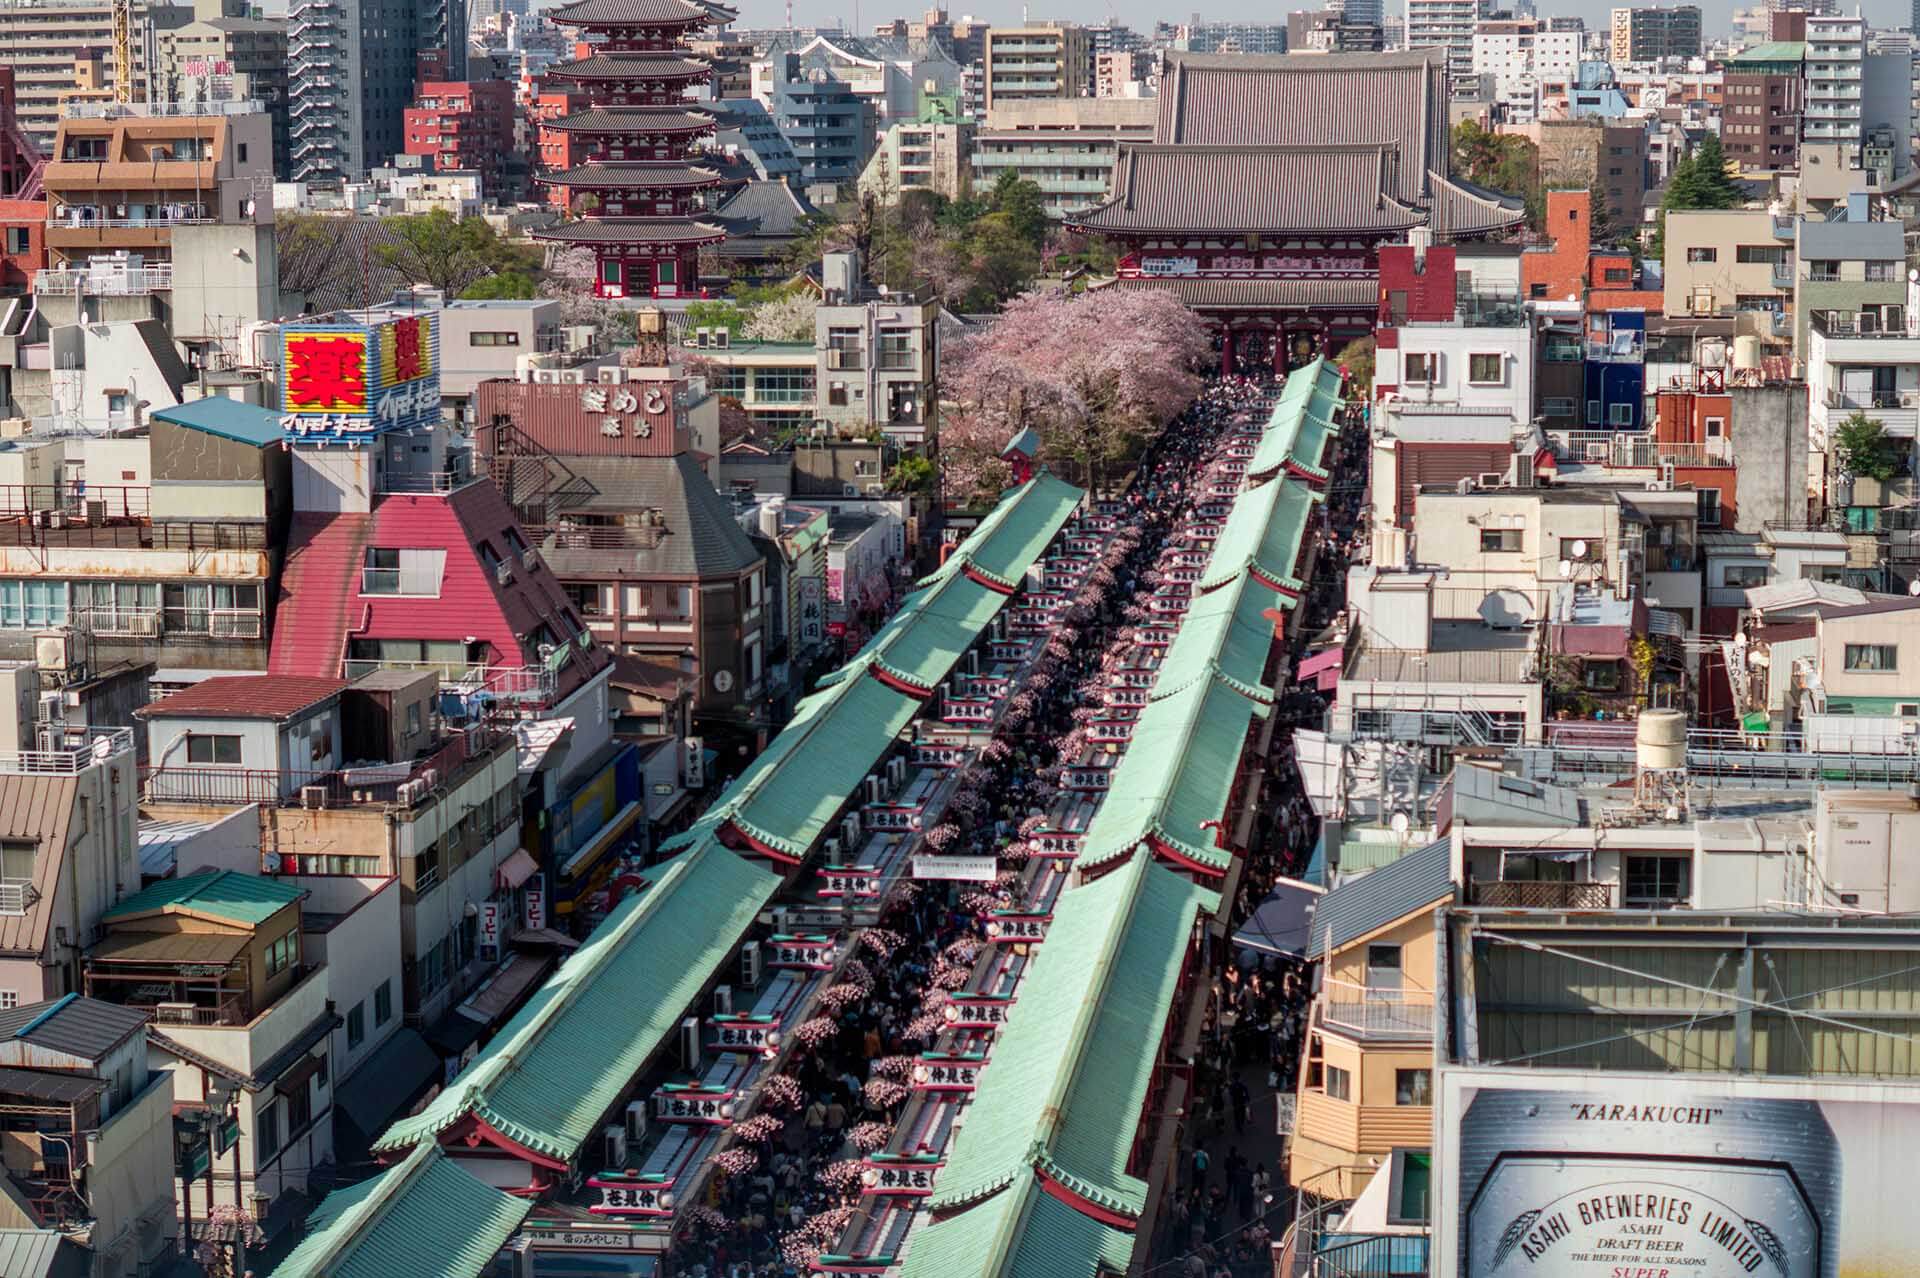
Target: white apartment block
1836, 53
1516, 55
1449, 25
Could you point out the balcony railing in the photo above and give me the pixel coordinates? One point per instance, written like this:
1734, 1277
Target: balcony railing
1513, 894
1373, 1012
72, 759
403, 784
500, 683
120, 282
151, 110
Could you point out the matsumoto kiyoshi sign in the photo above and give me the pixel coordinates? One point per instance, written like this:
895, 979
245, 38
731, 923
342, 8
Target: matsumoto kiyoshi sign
341, 379
1585, 1175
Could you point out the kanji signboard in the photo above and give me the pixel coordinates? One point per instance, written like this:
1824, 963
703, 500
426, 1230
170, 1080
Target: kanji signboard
347, 380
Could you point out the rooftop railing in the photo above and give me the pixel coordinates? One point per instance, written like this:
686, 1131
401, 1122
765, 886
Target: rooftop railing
96, 746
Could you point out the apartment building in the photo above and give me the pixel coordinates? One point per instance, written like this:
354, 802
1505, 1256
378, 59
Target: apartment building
1835, 75
1449, 25
878, 355
1514, 56
1065, 148
120, 179
1765, 88
1721, 261
828, 124
1653, 33
1852, 272
1038, 60
39, 42
895, 76
922, 155
222, 58
458, 125
1253, 37
350, 75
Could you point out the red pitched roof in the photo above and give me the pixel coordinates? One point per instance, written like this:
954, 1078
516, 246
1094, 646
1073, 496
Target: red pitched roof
267, 696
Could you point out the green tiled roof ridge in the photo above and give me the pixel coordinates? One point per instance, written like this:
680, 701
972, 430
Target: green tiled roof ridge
472, 1093
366, 1212
1212, 673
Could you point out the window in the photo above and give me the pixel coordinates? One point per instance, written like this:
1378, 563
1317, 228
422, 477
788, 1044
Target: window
1500, 540
283, 953
266, 1132
9, 999
1882, 272
18, 241
1600, 676
403, 572
1657, 881
382, 1003
1339, 1083
214, 748
33, 605
1559, 406
1411, 1186
1703, 255
896, 349
1745, 576
1420, 369
1617, 275
357, 1025
1620, 414
786, 386
493, 339
1485, 369
1826, 271
1413, 1087
1759, 255
240, 152
1709, 507
1871, 658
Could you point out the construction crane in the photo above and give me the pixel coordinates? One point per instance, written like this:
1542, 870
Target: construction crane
123, 51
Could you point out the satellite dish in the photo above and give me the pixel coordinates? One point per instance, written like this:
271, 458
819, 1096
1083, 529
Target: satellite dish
1580, 549
1566, 567
1914, 587
1400, 824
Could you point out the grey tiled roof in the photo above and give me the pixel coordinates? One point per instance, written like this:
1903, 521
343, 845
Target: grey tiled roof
703, 538
637, 230
632, 176
1253, 188
639, 120
84, 1027
630, 66
1374, 900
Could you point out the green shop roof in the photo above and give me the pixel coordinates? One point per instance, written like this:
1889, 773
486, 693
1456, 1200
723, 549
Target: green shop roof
1021, 1232
423, 1217
226, 895
1012, 536
233, 419
1302, 421
929, 633
1175, 778
1226, 635
791, 792
547, 1078
1263, 535
1070, 1073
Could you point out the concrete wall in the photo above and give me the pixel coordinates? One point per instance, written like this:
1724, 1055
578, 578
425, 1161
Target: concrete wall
131, 1176
1719, 283
1768, 431
1512, 393
225, 277
1899, 629
361, 950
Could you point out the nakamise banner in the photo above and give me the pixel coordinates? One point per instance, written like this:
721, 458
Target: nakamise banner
1657, 1176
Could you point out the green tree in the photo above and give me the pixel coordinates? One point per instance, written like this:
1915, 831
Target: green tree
1717, 190
1503, 162
1357, 358
1023, 206
711, 314
912, 474
499, 286
446, 252
1862, 446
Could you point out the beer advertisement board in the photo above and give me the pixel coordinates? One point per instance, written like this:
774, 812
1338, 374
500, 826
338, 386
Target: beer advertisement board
1578, 1174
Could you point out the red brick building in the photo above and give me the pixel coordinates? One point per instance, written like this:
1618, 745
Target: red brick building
23, 243
464, 126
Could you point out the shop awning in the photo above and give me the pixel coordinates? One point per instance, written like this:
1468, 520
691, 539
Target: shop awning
398, 1070
508, 986
1282, 923
1314, 662
606, 837
516, 869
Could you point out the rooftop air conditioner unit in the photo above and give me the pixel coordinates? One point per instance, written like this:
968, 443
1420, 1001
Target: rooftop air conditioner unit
896, 773
614, 1147
876, 490
636, 1123
609, 376
690, 1044
1464, 486
875, 790
973, 661
313, 796
750, 965
850, 828
832, 851
849, 490
723, 1000
1490, 479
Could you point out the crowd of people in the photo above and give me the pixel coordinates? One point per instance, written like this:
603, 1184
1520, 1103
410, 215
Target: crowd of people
791, 1183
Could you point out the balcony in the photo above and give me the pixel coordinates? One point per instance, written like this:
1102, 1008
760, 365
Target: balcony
124, 281
95, 746
403, 784
1364, 1012
1513, 894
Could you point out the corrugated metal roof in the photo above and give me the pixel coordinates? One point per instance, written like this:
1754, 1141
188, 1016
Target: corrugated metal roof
89, 1028
265, 696
41, 1253
1487, 796
221, 894
572, 1051
227, 418
1374, 900
39, 808
1070, 1073
1175, 778
424, 1217
49, 1086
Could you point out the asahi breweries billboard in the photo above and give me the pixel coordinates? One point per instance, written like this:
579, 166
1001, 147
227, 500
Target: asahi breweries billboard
1582, 1175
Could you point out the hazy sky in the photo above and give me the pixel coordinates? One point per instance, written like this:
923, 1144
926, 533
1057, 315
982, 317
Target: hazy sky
1142, 14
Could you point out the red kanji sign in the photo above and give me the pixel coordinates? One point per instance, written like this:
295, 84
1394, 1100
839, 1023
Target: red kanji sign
326, 373
409, 350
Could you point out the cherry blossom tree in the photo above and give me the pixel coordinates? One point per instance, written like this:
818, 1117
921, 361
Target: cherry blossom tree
1094, 373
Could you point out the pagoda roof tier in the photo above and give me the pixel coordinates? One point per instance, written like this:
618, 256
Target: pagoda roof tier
631, 66
638, 121
632, 230
1211, 190
633, 176
1260, 294
638, 13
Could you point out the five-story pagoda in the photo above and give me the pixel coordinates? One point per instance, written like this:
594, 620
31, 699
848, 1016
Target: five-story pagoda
627, 177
